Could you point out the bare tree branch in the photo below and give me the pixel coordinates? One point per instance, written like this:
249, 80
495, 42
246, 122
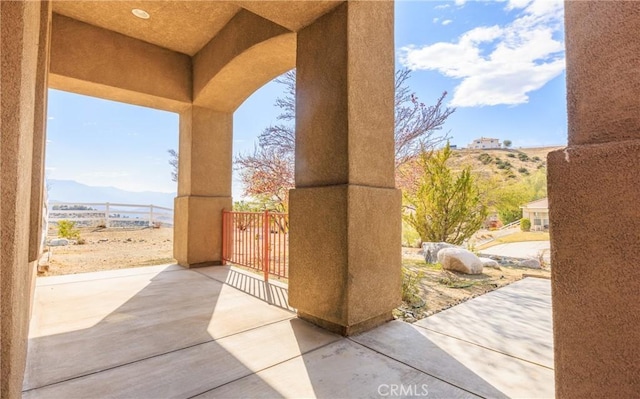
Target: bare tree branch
268, 173
173, 161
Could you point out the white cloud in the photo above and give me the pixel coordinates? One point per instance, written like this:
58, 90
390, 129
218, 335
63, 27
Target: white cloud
447, 22
435, 20
441, 7
51, 118
499, 64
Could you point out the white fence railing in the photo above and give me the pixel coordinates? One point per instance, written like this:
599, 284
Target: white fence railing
510, 225
110, 214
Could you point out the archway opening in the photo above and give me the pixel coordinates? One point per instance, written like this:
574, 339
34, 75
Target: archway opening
109, 185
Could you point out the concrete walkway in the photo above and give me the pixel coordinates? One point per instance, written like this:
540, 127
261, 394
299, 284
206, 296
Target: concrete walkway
167, 332
528, 249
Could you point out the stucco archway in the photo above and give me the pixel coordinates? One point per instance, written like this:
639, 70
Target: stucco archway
201, 60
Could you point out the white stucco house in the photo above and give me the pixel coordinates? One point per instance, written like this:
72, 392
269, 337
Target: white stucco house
484, 143
538, 213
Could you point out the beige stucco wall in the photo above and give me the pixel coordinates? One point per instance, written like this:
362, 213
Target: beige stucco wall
204, 185
345, 212
593, 202
94, 61
21, 81
247, 53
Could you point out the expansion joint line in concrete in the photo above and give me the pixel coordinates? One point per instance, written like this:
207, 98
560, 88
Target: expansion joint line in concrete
415, 368
261, 370
153, 356
486, 347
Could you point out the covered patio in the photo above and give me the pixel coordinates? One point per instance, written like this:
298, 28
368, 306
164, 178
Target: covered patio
166, 331
201, 60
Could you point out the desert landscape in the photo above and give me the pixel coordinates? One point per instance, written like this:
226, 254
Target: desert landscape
108, 249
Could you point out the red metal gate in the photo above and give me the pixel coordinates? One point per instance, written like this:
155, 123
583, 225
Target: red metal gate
259, 240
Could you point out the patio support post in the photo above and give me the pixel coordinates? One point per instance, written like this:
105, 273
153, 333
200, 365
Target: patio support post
593, 202
345, 211
24, 42
204, 185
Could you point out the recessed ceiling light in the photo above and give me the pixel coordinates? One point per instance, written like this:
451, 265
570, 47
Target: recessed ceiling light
140, 13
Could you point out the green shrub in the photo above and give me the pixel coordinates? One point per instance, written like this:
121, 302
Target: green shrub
66, 229
524, 171
525, 224
536, 159
485, 158
510, 155
523, 157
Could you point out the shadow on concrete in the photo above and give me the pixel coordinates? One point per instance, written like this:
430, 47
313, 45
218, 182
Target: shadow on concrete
175, 333
165, 339
514, 320
351, 368
272, 292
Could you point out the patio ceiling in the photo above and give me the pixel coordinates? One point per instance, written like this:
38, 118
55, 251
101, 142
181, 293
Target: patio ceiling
186, 26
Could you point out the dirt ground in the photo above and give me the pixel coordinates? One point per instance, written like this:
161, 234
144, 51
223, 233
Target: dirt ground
114, 248
437, 289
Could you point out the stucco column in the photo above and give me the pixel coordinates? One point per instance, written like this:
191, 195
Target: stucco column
345, 212
23, 71
204, 185
594, 189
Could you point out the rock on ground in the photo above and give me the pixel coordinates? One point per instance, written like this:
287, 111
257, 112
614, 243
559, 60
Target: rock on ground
459, 260
58, 242
530, 263
487, 262
431, 249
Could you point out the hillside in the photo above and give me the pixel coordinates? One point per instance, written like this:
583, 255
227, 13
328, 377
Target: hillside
505, 164
72, 191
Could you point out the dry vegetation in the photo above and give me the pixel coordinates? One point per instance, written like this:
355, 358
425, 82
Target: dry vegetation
515, 161
438, 289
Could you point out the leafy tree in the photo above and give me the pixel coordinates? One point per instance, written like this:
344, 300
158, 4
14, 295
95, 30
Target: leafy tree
268, 173
507, 143
446, 205
508, 198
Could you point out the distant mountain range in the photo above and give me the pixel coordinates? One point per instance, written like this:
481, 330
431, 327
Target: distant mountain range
72, 191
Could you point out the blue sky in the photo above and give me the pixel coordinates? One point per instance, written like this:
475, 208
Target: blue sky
501, 62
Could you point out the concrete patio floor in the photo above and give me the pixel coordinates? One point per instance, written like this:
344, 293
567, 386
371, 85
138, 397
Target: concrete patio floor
168, 332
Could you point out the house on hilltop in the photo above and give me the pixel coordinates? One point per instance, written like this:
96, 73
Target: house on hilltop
484, 143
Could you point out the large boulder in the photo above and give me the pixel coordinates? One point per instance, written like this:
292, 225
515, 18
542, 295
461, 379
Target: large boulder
431, 249
459, 260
